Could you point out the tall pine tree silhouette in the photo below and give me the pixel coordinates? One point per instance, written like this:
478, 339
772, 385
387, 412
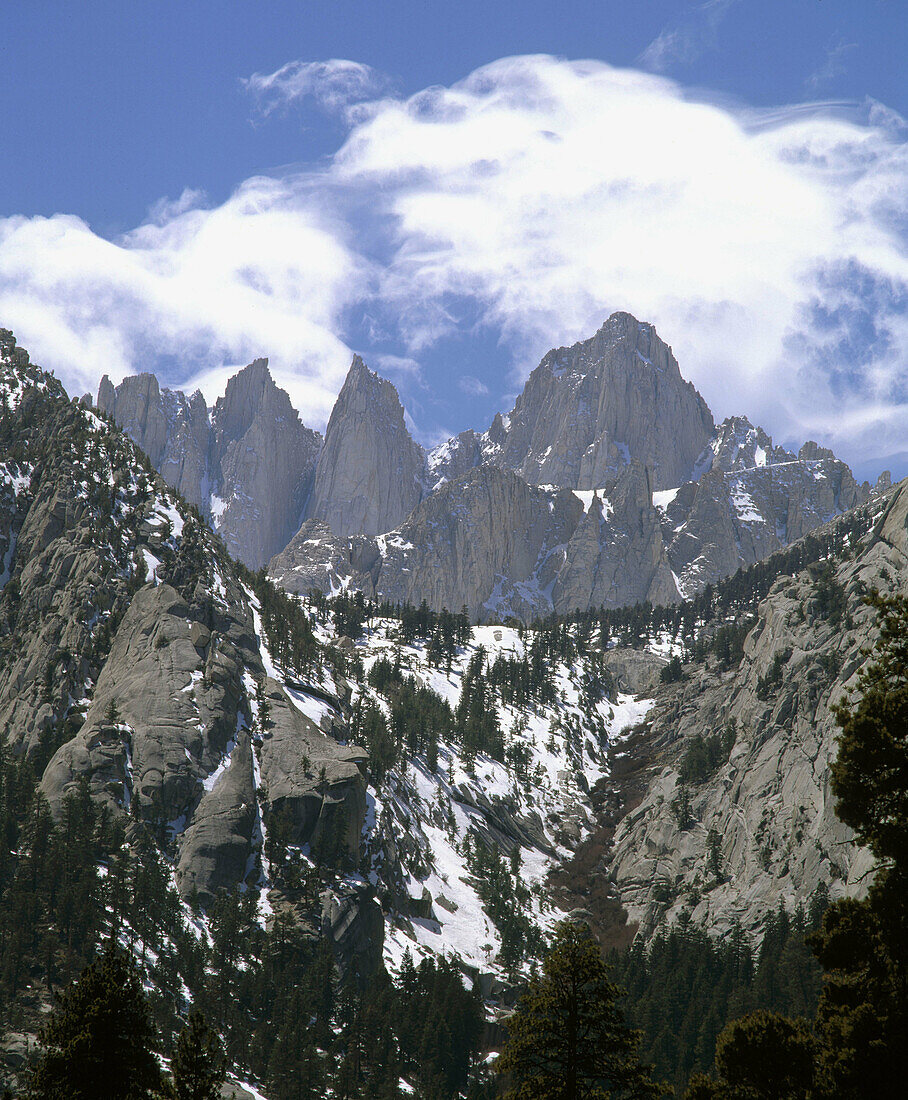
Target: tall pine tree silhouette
198, 1068
99, 1041
567, 1039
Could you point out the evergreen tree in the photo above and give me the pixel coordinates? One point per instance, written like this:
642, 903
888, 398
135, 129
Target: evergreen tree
98, 1042
198, 1068
567, 1039
764, 1056
862, 1019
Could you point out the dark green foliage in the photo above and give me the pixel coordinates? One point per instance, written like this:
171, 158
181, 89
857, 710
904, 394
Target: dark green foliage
705, 755
862, 1019
349, 614
761, 1057
98, 1043
567, 1039
426, 1028
287, 628
673, 671
685, 986
477, 719
768, 685
50, 893
505, 898
830, 596
870, 775
713, 856
443, 631
370, 730
726, 644
198, 1068
439, 1025
419, 720
682, 810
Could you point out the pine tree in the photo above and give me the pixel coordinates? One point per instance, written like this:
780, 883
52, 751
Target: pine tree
98, 1043
198, 1068
763, 1056
862, 1019
567, 1039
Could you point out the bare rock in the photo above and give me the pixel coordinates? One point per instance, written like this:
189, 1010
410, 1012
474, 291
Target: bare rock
370, 473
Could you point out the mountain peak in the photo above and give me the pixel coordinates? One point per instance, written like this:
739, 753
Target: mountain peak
589, 409
371, 472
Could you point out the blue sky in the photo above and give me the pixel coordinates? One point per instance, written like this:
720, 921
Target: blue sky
185, 186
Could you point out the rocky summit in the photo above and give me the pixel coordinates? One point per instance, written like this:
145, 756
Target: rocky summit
665, 501
370, 473
248, 464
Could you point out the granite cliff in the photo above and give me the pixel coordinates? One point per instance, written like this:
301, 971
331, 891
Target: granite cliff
248, 464
679, 502
370, 472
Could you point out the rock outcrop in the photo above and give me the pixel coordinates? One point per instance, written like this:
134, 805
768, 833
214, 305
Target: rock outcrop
248, 465
729, 846
172, 429
370, 473
679, 503
263, 466
751, 499
492, 543
133, 663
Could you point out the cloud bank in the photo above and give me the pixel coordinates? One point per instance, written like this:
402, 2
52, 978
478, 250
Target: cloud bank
534, 197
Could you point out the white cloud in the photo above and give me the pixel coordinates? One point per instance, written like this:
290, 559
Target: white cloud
833, 65
334, 85
206, 290
534, 197
472, 386
769, 249
684, 42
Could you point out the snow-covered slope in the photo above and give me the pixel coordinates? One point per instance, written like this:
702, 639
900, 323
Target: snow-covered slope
427, 816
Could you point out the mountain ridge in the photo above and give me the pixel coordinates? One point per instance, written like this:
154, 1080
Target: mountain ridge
712, 498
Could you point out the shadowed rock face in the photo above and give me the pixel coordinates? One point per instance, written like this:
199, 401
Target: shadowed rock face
753, 499
370, 473
588, 410
173, 430
498, 546
264, 459
248, 465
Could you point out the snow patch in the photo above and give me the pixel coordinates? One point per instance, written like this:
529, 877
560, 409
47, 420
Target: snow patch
664, 497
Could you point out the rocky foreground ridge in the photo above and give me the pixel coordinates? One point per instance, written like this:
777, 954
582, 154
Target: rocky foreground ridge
607, 484
131, 655
735, 814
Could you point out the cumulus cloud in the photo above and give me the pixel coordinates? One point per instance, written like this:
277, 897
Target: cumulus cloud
334, 85
194, 293
769, 249
523, 205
